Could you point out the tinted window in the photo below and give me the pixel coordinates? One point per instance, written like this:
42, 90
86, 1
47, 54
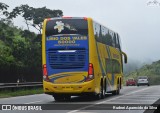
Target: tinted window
142, 77
118, 42
116, 66
112, 66
114, 40
67, 26
108, 66
131, 79
104, 35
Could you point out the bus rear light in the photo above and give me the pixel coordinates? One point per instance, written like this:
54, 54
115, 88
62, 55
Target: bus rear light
45, 73
90, 72
85, 18
48, 19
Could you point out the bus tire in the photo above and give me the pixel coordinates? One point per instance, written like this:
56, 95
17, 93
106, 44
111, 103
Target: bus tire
67, 98
102, 92
58, 97
117, 91
105, 87
101, 95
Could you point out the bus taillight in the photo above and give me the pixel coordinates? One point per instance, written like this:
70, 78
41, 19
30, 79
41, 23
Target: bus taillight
85, 18
45, 73
90, 72
48, 19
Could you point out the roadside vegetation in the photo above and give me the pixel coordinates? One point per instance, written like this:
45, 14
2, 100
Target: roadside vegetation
20, 49
22, 92
152, 71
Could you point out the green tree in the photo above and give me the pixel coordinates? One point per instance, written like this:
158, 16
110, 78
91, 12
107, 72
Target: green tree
34, 16
3, 10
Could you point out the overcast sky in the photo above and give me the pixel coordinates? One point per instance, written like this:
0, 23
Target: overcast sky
137, 23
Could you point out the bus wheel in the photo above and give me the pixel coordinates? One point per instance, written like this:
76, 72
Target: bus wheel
117, 91
67, 98
58, 97
101, 95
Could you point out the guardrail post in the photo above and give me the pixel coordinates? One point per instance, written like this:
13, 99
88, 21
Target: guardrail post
17, 82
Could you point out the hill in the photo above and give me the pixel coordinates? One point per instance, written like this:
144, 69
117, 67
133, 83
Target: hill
152, 71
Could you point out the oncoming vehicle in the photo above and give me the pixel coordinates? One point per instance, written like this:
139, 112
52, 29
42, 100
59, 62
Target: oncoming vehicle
142, 80
131, 82
80, 57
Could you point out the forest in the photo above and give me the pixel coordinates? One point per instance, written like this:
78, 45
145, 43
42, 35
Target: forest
20, 49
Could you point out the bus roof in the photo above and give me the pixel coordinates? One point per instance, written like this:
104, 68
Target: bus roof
67, 17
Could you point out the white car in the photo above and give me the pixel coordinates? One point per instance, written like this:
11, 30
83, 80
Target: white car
142, 80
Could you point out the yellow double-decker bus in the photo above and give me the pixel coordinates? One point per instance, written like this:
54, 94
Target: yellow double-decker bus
80, 57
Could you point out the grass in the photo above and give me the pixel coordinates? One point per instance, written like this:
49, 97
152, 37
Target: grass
22, 92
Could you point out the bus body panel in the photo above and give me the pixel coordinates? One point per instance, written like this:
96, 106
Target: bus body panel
72, 88
43, 43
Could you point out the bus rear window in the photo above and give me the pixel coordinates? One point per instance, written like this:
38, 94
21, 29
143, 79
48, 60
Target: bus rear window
67, 26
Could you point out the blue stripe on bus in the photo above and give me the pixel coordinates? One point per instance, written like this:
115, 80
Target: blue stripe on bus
64, 75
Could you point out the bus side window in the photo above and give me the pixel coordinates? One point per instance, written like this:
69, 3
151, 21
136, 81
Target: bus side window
114, 40
108, 65
117, 42
116, 66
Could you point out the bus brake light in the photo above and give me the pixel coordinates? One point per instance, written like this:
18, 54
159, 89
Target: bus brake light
48, 19
90, 72
85, 18
45, 73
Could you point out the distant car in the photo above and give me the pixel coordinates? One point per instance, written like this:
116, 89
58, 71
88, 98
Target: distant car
131, 82
142, 80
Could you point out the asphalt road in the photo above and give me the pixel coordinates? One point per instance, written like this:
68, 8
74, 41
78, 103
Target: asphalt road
131, 95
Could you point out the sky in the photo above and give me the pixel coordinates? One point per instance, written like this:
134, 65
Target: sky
136, 21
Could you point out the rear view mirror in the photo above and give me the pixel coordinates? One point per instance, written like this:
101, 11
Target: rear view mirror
125, 57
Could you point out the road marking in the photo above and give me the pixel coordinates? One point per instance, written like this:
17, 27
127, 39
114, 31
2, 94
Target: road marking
120, 103
73, 111
123, 95
142, 98
33, 102
84, 112
136, 100
151, 95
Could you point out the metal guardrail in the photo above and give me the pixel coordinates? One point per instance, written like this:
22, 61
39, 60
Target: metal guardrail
17, 86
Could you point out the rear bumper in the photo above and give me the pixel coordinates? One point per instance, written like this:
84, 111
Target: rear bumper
72, 94
146, 83
131, 84
70, 89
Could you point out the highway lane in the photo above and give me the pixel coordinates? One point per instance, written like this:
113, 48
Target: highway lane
128, 95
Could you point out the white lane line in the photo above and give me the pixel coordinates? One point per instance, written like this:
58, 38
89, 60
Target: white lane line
151, 95
136, 100
120, 103
33, 102
124, 95
140, 98
73, 111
